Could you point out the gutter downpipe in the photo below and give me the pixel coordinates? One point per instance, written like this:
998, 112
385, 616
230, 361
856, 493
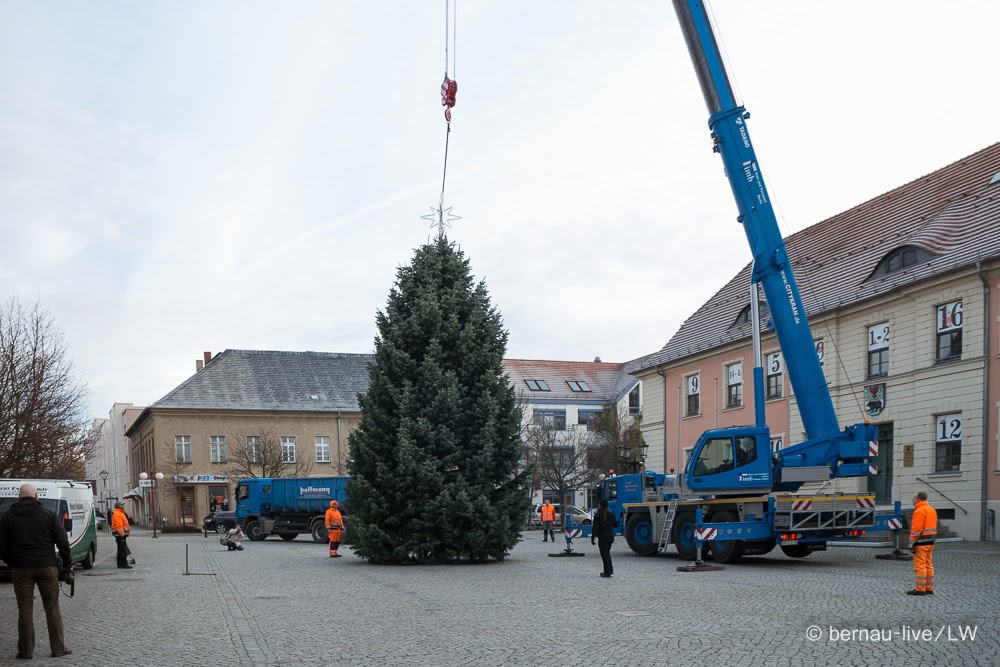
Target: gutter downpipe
663, 375
340, 470
986, 397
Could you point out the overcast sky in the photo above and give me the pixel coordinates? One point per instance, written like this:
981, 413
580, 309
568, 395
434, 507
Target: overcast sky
179, 176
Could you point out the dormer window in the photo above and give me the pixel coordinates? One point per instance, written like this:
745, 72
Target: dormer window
537, 385
578, 385
899, 259
744, 317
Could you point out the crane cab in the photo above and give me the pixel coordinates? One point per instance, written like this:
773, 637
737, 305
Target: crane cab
729, 461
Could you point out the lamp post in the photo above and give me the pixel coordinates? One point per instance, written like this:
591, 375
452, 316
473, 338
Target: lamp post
628, 459
104, 494
156, 476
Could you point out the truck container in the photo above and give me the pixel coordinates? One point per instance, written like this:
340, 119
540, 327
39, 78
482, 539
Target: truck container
287, 506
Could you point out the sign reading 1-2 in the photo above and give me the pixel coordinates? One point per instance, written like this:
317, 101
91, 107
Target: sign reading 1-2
878, 337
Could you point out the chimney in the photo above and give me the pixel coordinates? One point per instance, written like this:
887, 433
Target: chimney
208, 357
597, 360
198, 364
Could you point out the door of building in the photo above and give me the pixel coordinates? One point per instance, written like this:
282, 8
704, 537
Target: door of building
881, 483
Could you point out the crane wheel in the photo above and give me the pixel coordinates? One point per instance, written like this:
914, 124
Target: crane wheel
684, 536
797, 550
639, 535
726, 551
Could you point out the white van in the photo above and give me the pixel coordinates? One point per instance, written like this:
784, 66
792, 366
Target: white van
73, 502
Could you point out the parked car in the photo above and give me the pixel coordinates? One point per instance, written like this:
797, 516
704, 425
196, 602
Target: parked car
580, 517
102, 523
220, 522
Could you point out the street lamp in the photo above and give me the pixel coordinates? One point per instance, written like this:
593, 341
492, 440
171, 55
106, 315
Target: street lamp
104, 494
156, 477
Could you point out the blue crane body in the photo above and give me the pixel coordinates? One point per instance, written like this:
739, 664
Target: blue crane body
742, 489
287, 506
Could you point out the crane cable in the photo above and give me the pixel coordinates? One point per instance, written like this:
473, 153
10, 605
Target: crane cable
449, 89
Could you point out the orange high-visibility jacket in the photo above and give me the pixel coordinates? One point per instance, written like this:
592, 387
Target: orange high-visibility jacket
334, 520
923, 526
548, 512
119, 522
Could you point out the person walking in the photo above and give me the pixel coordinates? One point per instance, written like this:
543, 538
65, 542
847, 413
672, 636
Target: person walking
233, 538
119, 528
30, 534
923, 531
603, 530
334, 526
548, 517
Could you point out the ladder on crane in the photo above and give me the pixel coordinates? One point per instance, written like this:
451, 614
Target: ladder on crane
668, 522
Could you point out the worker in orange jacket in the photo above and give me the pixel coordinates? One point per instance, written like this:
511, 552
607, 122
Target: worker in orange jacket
334, 525
119, 528
923, 531
548, 517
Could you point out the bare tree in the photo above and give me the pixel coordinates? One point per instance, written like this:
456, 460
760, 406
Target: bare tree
558, 459
43, 430
613, 431
256, 451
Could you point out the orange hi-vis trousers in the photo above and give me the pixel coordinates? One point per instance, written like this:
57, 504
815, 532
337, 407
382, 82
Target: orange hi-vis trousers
923, 567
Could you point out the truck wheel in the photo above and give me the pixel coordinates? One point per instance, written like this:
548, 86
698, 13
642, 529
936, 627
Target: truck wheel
88, 562
726, 551
684, 536
639, 534
254, 531
797, 550
319, 532
288, 537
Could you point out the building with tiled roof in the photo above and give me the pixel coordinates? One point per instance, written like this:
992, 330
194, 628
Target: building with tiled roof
307, 399
901, 293
566, 395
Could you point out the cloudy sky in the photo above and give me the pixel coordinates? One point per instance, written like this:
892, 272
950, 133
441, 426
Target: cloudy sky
181, 176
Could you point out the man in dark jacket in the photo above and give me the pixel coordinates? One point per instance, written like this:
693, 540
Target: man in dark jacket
603, 531
29, 537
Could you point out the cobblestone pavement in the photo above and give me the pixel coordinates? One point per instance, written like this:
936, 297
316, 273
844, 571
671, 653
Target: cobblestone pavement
287, 603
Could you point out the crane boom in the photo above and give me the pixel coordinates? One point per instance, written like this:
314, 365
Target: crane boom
771, 266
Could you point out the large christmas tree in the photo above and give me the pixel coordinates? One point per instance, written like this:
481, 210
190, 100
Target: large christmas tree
435, 456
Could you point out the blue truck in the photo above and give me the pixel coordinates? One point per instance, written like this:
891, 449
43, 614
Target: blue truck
734, 495
287, 506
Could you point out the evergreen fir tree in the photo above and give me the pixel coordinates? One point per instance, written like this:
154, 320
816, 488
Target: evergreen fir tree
435, 455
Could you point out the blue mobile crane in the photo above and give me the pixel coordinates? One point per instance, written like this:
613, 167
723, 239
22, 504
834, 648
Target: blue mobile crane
744, 491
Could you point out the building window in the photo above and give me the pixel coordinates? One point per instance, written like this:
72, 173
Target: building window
537, 385
322, 449
578, 385
693, 387
775, 375
734, 385
878, 350
633, 401
253, 449
588, 418
288, 449
182, 447
899, 259
948, 437
745, 316
554, 420
949, 331
217, 444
